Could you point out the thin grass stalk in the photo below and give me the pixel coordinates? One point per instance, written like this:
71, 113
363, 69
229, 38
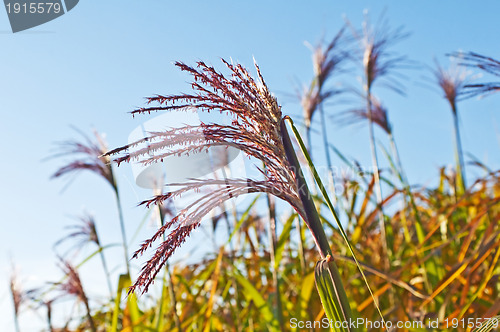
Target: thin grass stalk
406, 185
430, 264
106, 270
226, 173
158, 323
458, 152
122, 226
398, 168
378, 187
309, 150
89, 315
272, 250
16, 321
331, 180
327, 60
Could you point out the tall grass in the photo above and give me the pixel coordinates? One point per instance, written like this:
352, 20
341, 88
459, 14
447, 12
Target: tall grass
452, 83
378, 63
87, 156
442, 248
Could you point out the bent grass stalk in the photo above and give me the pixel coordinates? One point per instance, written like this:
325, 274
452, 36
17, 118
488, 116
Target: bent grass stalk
328, 281
332, 210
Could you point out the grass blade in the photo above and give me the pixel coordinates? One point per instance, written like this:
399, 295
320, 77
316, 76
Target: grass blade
253, 295
327, 279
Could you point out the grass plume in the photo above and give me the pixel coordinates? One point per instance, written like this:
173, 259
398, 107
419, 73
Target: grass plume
255, 130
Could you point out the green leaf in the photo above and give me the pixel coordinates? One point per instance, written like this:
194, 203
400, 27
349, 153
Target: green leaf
284, 236
252, 294
123, 283
327, 279
306, 288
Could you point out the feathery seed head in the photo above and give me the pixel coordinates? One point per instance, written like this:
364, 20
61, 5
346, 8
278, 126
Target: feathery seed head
484, 63
84, 232
377, 60
326, 61
254, 130
72, 285
88, 156
379, 115
452, 82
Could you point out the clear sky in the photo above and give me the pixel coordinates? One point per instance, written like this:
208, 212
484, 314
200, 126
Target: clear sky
91, 66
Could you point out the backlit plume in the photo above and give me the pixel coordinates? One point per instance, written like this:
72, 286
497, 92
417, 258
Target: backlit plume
254, 130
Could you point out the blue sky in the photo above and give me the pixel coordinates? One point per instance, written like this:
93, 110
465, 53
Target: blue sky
91, 66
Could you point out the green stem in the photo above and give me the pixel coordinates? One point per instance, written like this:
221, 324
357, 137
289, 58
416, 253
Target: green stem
458, 152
